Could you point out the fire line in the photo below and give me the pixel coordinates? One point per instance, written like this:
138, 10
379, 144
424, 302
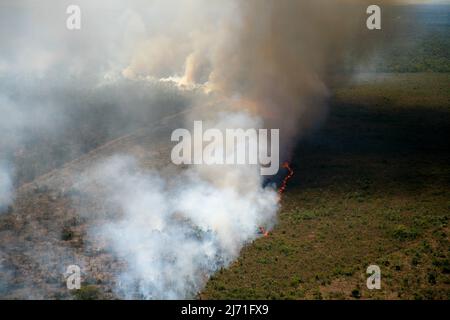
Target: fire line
281, 190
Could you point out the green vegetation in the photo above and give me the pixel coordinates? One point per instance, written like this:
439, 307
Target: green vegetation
66, 234
370, 187
417, 40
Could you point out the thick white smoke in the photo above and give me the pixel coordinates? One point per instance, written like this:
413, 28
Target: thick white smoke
268, 60
175, 231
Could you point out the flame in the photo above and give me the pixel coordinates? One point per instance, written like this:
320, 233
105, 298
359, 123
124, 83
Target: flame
263, 231
281, 190
286, 179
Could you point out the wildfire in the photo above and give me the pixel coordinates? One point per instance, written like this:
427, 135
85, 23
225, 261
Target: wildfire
282, 188
286, 179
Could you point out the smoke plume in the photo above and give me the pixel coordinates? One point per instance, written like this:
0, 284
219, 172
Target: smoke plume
6, 187
254, 64
175, 235
263, 64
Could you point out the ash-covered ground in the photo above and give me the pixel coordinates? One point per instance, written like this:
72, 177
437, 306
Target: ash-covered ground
46, 229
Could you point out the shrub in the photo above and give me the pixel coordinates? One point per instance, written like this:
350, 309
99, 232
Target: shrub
66, 234
89, 292
403, 233
356, 293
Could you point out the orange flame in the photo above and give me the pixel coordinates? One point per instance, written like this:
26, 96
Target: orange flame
263, 231
282, 188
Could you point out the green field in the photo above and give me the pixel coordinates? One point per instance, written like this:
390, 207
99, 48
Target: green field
370, 187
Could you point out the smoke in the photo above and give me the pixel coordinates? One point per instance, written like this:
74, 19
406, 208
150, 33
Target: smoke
175, 235
256, 64
263, 64
6, 193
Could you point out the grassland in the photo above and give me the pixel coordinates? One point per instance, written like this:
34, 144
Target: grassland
371, 187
